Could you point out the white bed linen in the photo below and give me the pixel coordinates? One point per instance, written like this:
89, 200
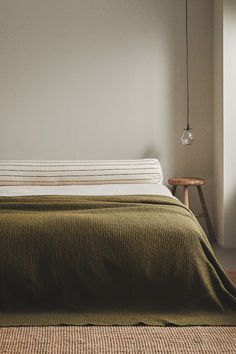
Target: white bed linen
110, 189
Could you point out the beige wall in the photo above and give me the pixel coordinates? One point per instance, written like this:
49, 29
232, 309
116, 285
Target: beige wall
224, 120
106, 79
218, 197
230, 121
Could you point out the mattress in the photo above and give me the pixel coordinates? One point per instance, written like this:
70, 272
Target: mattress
107, 189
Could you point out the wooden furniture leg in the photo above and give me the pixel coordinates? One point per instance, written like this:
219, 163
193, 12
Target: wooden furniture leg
185, 196
174, 190
206, 214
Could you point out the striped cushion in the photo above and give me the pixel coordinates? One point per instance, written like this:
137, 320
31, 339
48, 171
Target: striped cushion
27, 172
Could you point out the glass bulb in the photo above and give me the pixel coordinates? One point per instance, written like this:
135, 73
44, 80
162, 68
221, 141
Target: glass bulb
187, 137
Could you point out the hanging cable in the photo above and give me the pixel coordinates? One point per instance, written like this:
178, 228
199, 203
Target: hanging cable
187, 137
187, 63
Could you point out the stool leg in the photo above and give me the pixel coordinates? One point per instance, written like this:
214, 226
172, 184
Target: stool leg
206, 214
174, 190
185, 196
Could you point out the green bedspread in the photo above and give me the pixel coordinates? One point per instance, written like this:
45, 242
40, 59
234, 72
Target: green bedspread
108, 260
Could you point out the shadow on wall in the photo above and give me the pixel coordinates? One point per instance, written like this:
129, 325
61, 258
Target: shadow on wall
150, 153
197, 159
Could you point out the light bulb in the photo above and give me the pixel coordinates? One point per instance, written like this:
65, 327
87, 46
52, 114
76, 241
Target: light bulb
187, 137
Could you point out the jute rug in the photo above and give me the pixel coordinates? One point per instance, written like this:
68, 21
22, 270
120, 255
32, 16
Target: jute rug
57, 340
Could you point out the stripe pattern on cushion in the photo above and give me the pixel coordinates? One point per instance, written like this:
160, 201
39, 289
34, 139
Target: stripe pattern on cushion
26, 172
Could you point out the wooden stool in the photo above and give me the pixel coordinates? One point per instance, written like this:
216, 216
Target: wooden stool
186, 182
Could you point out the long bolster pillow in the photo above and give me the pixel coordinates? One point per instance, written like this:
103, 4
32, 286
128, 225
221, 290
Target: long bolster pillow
26, 172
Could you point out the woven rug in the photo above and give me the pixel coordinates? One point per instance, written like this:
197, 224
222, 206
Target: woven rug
57, 340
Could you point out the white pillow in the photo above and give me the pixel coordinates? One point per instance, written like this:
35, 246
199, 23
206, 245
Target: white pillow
26, 172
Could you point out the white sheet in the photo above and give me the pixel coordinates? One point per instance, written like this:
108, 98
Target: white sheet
110, 189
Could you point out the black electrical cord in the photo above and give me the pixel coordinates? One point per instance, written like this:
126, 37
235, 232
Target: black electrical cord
187, 64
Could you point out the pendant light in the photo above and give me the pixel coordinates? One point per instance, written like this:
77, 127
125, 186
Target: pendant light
187, 137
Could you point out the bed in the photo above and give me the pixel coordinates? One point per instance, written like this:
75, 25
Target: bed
104, 243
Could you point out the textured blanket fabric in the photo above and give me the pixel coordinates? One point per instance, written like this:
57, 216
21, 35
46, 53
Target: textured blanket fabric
108, 260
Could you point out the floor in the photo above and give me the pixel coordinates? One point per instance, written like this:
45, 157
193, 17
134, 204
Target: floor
226, 257
119, 339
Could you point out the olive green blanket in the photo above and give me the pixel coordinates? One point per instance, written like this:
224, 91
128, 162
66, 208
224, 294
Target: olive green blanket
108, 260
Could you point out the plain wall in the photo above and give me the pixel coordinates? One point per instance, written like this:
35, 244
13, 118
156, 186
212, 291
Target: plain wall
229, 15
218, 196
106, 79
224, 121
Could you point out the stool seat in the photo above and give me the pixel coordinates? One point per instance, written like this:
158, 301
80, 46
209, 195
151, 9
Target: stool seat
186, 181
